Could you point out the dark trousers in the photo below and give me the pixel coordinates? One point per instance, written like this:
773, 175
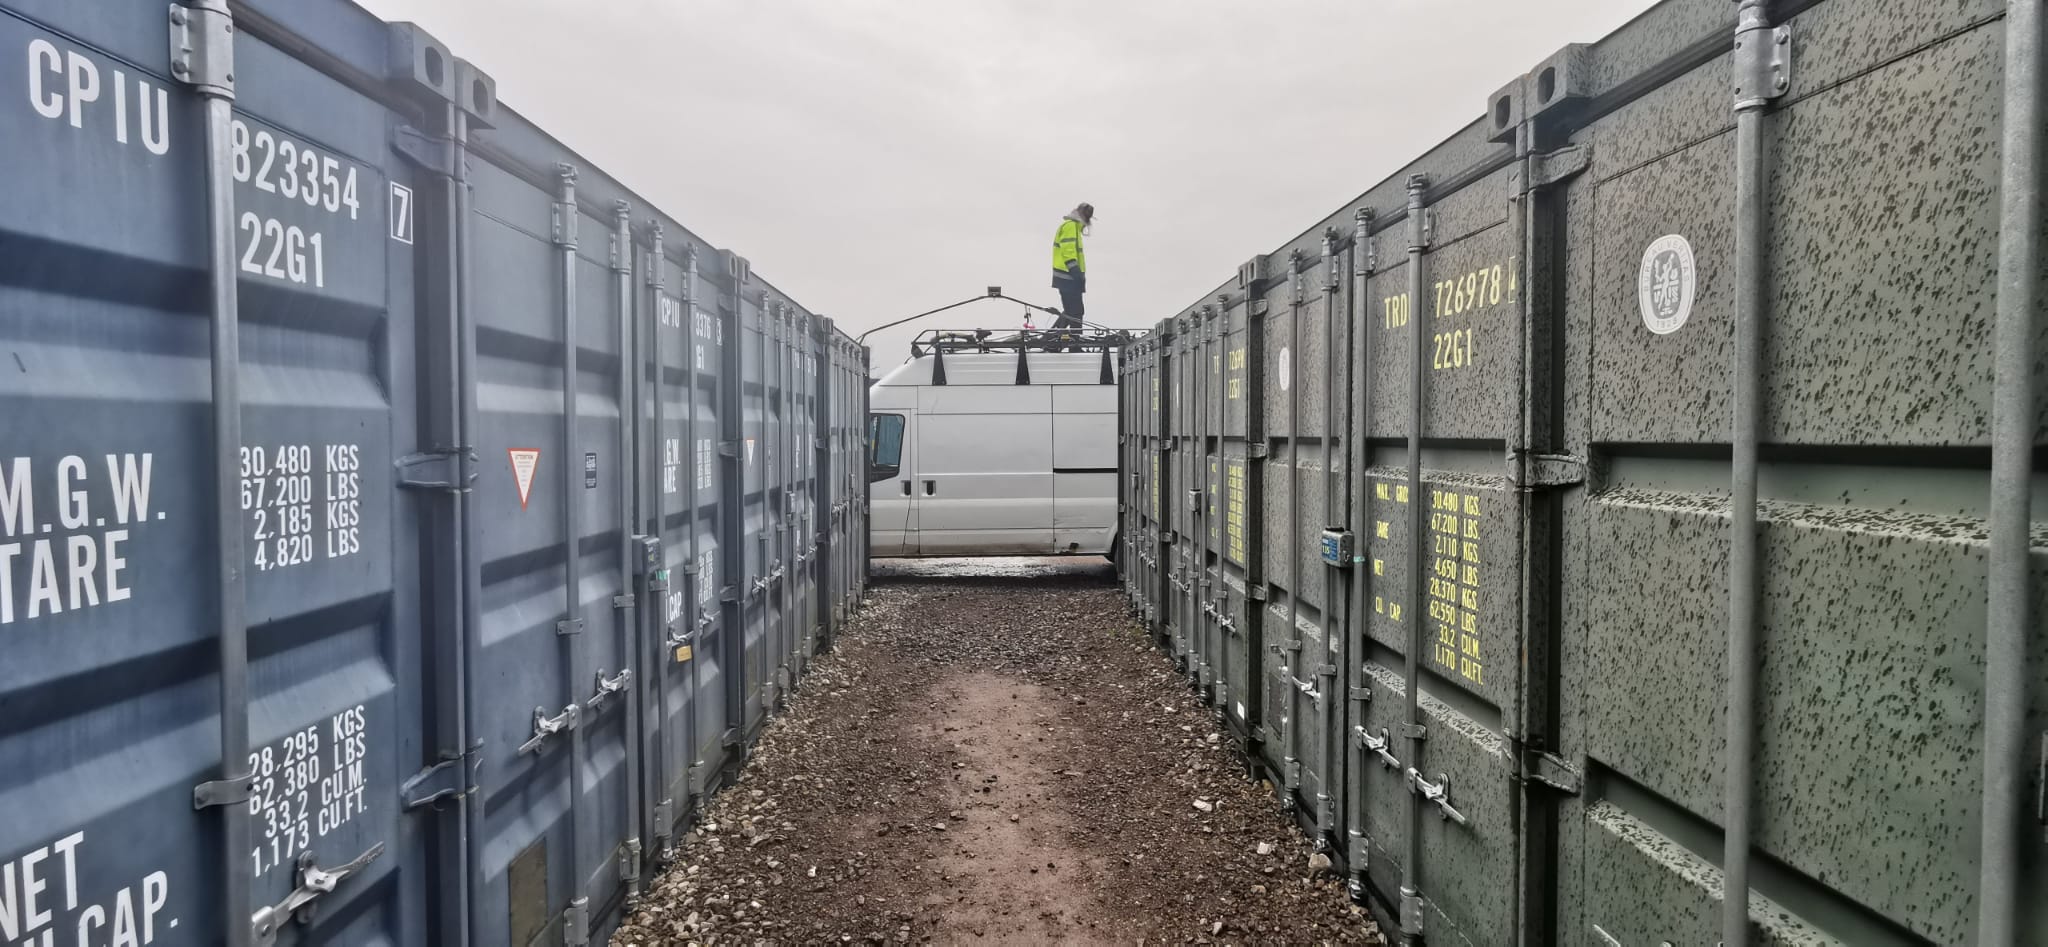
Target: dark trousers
1070, 304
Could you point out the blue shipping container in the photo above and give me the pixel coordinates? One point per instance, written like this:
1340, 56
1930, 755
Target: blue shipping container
431, 612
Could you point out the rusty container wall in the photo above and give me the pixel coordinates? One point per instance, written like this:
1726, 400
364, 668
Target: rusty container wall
1557, 572
464, 599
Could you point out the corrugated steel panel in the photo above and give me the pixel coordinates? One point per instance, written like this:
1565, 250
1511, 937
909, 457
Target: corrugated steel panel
484, 401
1556, 568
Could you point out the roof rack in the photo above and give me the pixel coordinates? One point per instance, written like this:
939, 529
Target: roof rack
1025, 340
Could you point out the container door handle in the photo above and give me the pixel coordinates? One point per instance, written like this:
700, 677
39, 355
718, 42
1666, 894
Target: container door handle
931, 487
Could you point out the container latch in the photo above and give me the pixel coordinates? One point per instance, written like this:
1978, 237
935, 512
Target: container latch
314, 883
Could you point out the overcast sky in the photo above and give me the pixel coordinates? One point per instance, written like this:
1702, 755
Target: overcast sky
877, 158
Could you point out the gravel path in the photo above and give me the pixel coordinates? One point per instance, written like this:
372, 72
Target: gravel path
995, 754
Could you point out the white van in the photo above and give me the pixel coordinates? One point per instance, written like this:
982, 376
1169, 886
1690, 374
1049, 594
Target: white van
981, 447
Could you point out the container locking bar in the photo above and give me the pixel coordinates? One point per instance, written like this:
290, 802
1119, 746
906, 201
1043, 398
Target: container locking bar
437, 782
545, 726
1438, 792
448, 469
314, 883
606, 687
1377, 744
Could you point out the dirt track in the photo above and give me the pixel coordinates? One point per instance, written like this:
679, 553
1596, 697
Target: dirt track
995, 755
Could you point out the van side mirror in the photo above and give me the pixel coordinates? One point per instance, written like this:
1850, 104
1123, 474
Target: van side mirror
880, 472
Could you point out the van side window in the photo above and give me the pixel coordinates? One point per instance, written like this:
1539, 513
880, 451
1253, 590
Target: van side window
885, 440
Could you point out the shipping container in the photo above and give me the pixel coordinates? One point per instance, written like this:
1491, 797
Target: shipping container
1683, 357
406, 525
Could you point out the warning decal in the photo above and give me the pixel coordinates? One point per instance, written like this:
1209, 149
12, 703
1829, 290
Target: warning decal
750, 452
525, 460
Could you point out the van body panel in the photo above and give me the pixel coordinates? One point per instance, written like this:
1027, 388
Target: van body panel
991, 467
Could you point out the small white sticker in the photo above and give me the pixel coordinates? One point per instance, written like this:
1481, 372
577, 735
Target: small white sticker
525, 460
401, 212
1665, 283
1286, 368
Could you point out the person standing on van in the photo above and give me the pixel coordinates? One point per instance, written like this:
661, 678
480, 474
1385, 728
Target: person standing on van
1070, 266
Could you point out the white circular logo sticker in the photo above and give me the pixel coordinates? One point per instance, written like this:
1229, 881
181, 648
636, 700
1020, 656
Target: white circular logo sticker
1286, 368
1665, 283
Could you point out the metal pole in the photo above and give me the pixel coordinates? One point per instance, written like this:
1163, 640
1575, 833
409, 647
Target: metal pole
653, 517
1756, 85
1359, 423
1411, 869
1333, 576
576, 921
631, 651
2012, 422
1291, 665
468, 528
202, 39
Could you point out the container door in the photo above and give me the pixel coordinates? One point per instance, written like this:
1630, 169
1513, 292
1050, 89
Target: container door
549, 715
109, 555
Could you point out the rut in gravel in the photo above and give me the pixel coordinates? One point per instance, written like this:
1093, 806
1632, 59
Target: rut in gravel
995, 755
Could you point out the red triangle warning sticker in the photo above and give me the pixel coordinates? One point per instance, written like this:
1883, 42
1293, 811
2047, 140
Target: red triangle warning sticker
525, 460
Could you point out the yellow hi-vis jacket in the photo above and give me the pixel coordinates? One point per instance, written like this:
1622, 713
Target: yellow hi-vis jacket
1066, 247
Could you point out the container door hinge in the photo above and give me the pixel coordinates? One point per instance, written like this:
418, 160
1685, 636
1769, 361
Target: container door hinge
1358, 853
562, 225
729, 448
731, 738
1550, 770
448, 469
576, 923
1528, 470
1551, 168
203, 46
314, 883
1763, 64
629, 867
1257, 451
437, 782
223, 792
2041, 787
664, 829
545, 726
1411, 912
423, 150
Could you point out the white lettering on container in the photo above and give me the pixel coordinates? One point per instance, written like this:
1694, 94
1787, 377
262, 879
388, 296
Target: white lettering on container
63, 83
40, 898
47, 572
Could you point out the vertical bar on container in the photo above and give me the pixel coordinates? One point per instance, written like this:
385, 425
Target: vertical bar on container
2007, 619
650, 454
1754, 88
1329, 706
1411, 870
1359, 423
471, 556
824, 483
1256, 449
570, 628
1293, 653
627, 604
203, 54
689, 445
732, 500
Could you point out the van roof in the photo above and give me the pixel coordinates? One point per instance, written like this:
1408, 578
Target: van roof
1002, 368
